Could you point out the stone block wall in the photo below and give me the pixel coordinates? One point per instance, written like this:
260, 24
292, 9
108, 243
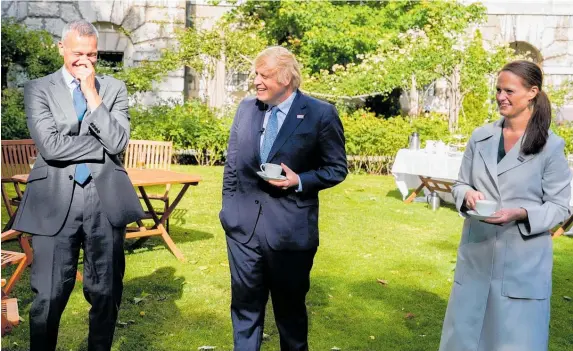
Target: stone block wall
138, 28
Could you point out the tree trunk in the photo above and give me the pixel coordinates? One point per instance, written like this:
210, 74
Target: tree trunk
414, 110
455, 99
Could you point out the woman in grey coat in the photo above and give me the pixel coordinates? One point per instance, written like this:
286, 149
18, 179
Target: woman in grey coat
502, 283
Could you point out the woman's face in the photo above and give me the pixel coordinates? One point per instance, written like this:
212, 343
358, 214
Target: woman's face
513, 98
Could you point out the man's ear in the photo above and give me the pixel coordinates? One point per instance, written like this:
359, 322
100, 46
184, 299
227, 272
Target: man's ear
61, 48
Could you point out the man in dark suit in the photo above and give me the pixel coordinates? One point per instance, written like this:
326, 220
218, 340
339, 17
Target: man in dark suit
272, 225
78, 193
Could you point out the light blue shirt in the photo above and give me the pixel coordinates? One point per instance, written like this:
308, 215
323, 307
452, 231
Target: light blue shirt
283, 109
71, 83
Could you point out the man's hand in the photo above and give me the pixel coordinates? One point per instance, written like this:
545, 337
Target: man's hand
506, 215
471, 197
86, 75
291, 181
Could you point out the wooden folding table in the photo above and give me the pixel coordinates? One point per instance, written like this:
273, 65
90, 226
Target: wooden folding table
142, 178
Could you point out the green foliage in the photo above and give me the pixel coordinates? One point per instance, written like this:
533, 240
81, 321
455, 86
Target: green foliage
427, 48
190, 126
375, 141
13, 115
138, 78
33, 54
33, 50
565, 131
559, 95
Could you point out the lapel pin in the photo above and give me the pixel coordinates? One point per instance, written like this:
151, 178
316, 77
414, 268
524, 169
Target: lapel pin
300, 116
520, 158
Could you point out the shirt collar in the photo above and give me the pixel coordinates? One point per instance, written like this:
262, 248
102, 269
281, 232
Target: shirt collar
284, 106
68, 78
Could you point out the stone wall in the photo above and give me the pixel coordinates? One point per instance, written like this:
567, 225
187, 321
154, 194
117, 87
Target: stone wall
138, 28
545, 25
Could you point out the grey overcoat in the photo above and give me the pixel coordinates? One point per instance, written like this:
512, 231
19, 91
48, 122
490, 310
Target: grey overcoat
502, 283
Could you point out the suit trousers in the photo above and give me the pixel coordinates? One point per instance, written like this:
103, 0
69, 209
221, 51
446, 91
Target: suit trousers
256, 270
54, 271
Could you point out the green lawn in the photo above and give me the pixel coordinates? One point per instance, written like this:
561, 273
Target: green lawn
367, 234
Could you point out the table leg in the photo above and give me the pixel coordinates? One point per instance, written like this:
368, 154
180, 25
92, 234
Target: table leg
562, 228
159, 222
167, 239
413, 195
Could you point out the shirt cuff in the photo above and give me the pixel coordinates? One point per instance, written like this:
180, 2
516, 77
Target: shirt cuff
299, 189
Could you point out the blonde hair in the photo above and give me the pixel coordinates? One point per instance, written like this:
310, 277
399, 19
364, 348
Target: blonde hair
286, 66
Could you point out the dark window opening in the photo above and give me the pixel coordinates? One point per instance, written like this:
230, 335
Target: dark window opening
111, 59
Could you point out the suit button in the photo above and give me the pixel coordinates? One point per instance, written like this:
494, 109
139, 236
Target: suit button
257, 202
70, 177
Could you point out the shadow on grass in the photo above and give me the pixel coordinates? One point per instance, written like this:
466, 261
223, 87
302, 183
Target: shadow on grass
395, 194
178, 234
150, 318
148, 303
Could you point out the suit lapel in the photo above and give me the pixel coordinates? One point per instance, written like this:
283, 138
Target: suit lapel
513, 158
487, 148
257, 127
291, 122
63, 98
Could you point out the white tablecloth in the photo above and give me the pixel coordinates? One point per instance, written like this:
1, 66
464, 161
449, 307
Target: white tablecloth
409, 164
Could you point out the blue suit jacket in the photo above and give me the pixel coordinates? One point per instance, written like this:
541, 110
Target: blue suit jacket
311, 143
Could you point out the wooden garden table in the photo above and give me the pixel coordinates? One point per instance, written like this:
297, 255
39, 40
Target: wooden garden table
141, 178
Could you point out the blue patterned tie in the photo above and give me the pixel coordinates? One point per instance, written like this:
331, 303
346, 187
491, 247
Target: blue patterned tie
271, 132
80, 105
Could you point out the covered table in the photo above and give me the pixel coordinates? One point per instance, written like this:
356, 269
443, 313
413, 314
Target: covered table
428, 171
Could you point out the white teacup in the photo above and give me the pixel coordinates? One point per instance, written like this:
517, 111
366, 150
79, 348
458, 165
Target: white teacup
486, 207
272, 170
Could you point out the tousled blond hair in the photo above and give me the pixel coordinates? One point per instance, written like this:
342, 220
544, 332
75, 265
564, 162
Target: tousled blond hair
285, 64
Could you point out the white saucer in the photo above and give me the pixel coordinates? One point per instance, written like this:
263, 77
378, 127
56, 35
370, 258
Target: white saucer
266, 177
476, 215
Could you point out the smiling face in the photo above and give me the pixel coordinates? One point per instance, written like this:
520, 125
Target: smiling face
77, 49
513, 97
270, 89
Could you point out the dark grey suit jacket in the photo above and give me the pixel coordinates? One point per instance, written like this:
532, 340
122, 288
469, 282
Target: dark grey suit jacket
63, 142
311, 143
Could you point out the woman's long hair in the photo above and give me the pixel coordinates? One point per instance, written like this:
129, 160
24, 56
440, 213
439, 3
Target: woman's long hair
537, 130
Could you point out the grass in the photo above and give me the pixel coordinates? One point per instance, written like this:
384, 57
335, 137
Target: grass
367, 233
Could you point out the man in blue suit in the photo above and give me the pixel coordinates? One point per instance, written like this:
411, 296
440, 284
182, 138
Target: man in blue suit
272, 225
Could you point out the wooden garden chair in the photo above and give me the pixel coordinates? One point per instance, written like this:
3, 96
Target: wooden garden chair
13, 258
148, 154
16, 156
10, 315
20, 259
